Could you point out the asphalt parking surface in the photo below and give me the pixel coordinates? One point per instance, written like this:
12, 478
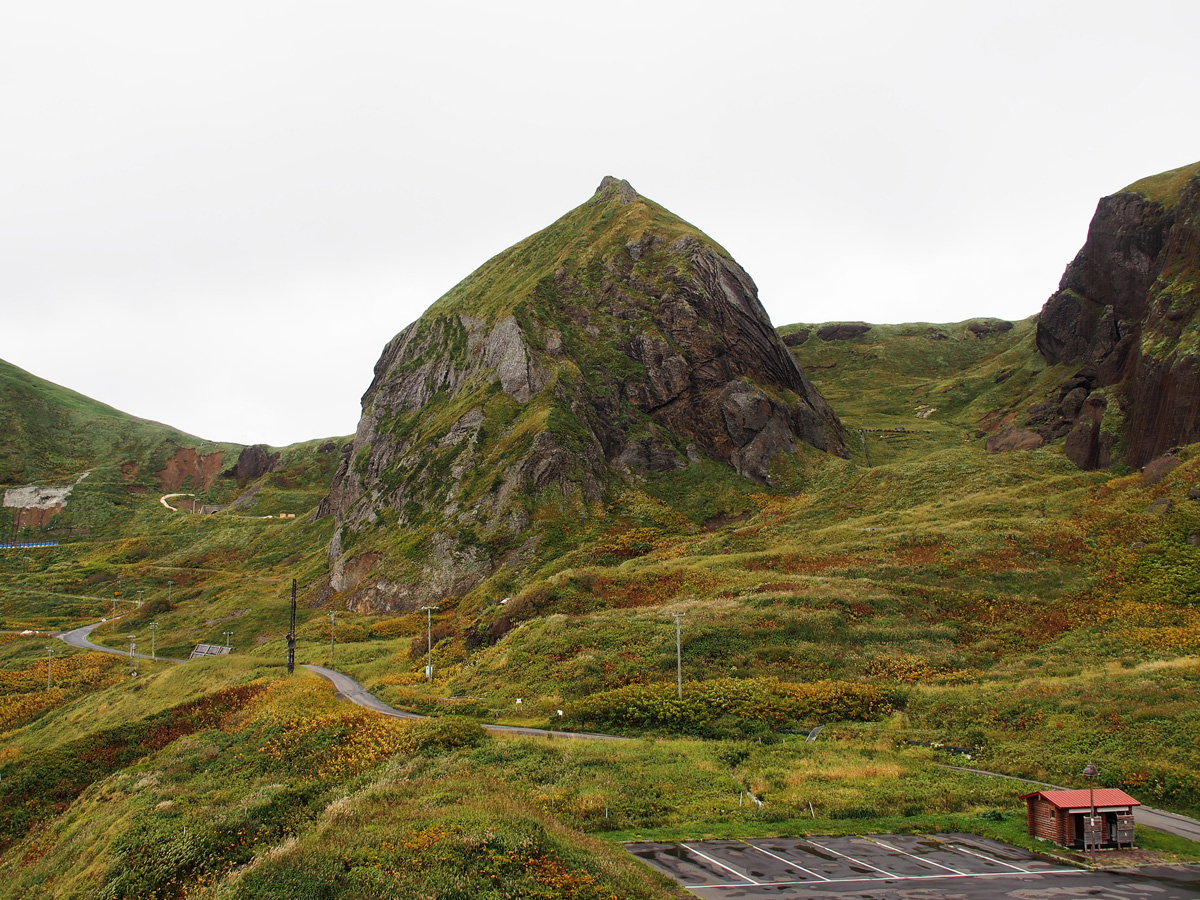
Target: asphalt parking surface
897, 867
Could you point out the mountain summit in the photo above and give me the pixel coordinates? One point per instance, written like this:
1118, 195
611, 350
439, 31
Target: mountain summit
617, 343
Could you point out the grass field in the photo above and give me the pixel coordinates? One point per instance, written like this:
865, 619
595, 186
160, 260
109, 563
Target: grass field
1011, 605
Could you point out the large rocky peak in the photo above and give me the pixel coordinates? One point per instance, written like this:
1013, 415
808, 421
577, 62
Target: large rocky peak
618, 342
1124, 319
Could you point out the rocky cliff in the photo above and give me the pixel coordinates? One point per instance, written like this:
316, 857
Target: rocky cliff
1125, 322
617, 343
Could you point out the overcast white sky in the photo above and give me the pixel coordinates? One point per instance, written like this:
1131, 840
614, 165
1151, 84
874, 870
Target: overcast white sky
216, 215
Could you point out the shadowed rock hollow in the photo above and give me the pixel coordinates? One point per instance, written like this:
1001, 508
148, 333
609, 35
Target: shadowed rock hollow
617, 343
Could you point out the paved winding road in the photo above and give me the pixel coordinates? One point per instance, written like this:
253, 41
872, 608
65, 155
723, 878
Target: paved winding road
353, 691
1158, 819
78, 637
346, 687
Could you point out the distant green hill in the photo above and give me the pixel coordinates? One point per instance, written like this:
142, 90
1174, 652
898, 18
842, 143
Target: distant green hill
51, 433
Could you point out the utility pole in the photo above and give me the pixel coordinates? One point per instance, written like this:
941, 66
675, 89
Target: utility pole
139, 593
331, 625
678, 655
50, 651
153, 648
429, 637
1090, 832
170, 588
291, 638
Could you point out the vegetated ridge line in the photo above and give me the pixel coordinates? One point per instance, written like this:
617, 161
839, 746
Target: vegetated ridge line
1159, 819
351, 690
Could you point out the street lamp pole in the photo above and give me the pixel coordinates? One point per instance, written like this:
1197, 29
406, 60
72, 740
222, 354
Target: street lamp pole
153, 647
678, 655
1090, 771
429, 638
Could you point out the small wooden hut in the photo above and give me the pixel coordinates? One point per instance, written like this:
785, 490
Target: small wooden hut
1061, 816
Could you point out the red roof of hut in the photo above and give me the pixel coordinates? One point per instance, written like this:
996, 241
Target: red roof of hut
1083, 799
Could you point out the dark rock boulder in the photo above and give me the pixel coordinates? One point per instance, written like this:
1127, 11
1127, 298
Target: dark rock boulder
253, 462
1160, 507
797, 337
843, 331
1011, 438
983, 329
1158, 469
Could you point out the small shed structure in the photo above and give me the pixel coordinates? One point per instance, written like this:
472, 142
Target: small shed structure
1061, 816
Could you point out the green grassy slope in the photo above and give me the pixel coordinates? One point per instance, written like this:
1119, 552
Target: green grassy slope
1011, 604
52, 433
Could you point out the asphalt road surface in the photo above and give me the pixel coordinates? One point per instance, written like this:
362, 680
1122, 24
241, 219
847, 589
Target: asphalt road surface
354, 692
897, 867
78, 637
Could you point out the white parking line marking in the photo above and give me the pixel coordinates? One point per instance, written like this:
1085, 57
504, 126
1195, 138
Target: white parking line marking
717, 862
914, 856
696, 887
788, 861
963, 849
852, 859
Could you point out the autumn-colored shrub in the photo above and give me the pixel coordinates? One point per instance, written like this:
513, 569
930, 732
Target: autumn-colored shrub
720, 705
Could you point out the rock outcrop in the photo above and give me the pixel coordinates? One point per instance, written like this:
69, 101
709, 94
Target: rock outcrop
617, 343
1125, 319
253, 462
843, 331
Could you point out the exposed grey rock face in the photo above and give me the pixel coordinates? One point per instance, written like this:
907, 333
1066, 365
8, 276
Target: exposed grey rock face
556, 371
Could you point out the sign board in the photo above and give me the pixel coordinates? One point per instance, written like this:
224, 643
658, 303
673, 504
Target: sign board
1124, 829
1093, 831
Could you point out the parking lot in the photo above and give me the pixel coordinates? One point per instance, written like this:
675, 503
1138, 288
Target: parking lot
894, 866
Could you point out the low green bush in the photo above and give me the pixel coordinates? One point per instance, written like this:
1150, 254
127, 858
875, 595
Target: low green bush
728, 706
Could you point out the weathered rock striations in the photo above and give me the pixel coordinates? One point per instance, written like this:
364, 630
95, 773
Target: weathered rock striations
1125, 317
618, 342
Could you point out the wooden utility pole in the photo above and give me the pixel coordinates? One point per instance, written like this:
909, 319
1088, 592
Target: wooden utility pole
292, 633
